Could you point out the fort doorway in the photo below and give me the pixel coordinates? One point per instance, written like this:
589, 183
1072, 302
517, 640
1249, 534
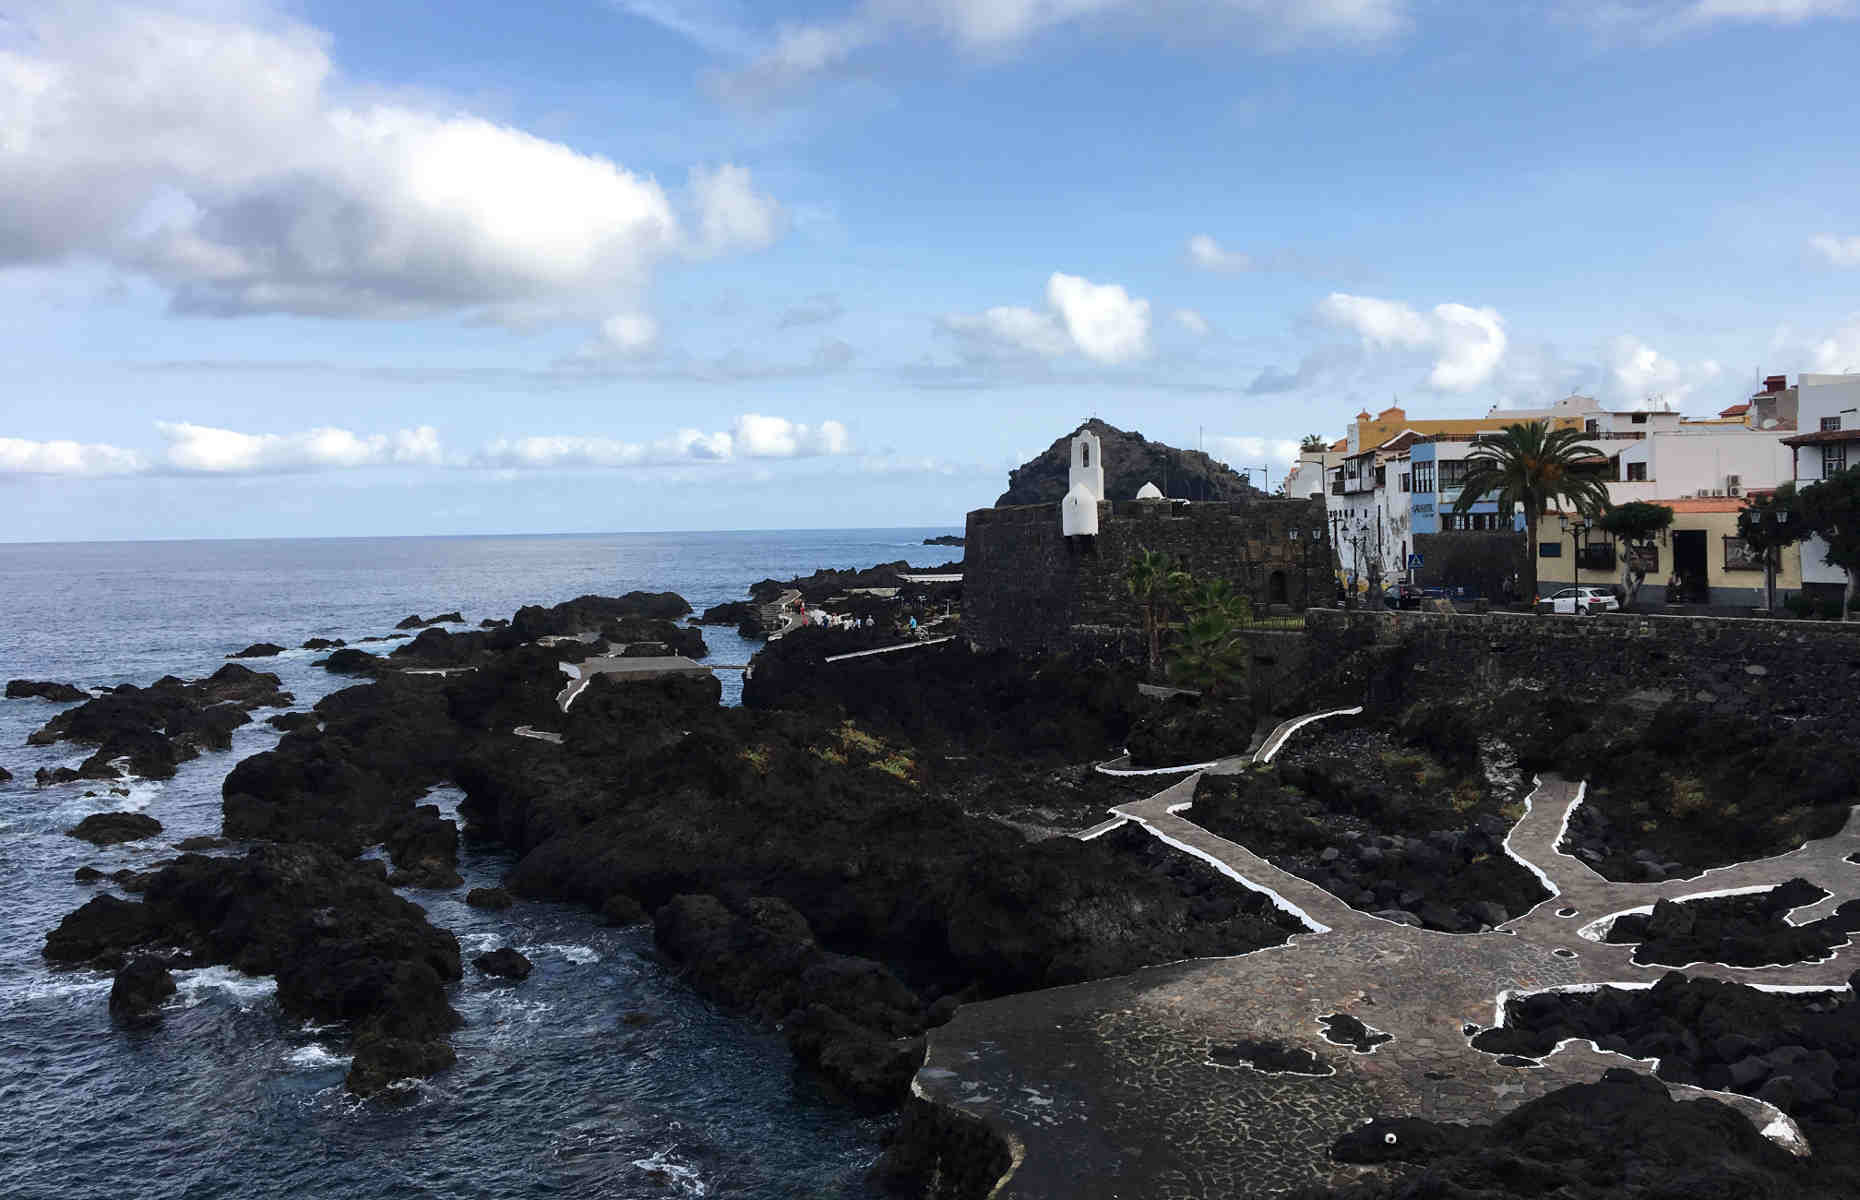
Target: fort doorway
1275, 588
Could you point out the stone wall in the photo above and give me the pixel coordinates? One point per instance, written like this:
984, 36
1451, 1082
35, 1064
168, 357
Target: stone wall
1028, 587
1800, 672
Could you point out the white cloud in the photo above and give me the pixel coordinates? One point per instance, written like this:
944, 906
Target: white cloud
629, 333
732, 215
1838, 251
1192, 321
1101, 321
1209, 255
1105, 322
1636, 375
21, 457
1839, 352
1010, 329
1238, 451
757, 436
799, 53
225, 161
203, 449
1467, 344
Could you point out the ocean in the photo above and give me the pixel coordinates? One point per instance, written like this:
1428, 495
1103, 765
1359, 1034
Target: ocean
600, 1075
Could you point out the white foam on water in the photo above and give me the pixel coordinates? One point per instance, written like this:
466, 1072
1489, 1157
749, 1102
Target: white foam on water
579, 955
682, 1178
245, 991
141, 791
25, 989
315, 1057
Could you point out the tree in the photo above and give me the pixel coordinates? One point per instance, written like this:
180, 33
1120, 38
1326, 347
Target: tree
1149, 581
1313, 444
1210, 652
1538, 467
1831, 511
1767, 524
1634, 525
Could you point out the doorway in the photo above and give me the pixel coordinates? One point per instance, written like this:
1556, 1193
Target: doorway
1275, 588
1689, 566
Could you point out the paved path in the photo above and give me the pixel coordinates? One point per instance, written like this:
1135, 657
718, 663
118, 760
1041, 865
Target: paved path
891, 649
623, 668
790, 619
1109, 1089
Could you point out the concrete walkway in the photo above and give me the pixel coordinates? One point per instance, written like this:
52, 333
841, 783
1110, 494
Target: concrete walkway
1109, 1089
890, 649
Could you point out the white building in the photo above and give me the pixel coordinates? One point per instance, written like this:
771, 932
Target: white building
1078, 512
1828, 414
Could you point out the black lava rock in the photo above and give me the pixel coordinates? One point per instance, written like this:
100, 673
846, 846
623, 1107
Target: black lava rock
107, 829
62, 693
140, 987
259, 650
504, 963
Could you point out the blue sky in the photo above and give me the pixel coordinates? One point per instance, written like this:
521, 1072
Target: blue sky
333, 269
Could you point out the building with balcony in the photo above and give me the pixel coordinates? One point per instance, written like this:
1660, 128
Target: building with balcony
1829, 443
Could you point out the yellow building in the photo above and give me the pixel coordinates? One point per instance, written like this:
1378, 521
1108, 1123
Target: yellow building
1701, 551
1367, 432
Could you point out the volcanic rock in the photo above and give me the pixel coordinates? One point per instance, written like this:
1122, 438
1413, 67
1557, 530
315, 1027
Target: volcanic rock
291, 722
504, 963
317, 643
350, 661
6, 776
107, 829
259, 650
342, 945
140, 987
62, 693
164, 724
1130, 461
412, 621
493, 898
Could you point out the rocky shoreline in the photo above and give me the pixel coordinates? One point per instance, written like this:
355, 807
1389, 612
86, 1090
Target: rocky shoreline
868, 844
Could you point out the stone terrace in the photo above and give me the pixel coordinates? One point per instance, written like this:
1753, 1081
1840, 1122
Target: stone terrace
1123, 1088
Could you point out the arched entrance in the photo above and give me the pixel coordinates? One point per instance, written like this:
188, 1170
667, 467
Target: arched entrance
1275, 588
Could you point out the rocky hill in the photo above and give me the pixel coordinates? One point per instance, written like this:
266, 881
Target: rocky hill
1130, 461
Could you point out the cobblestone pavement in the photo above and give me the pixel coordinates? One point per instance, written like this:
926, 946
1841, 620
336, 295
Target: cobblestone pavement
1128, 1087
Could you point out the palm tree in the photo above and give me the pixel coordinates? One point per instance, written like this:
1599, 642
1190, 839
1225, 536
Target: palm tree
1210, 651
1149, 580
1538, 467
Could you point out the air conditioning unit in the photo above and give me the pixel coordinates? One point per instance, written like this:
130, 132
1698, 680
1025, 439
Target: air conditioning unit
1717, 491
1731, 481
1734, 490
1703, 493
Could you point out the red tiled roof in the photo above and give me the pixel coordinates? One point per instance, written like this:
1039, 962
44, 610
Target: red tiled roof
1822, 437
1736, 410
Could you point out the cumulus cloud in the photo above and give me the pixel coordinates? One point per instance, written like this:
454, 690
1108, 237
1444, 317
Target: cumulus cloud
21, 457
1839, 352
1837, 251
1467, 344
732, 215
224, 160
204, 450
1243, 452
629, 333
800, 53
1635, 375
1192, 321
1209, 255
1101, 321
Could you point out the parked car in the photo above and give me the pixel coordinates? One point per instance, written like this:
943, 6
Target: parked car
1402, 595
1584, 600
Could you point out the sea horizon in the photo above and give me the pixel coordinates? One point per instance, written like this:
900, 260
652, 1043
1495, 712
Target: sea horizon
371, 537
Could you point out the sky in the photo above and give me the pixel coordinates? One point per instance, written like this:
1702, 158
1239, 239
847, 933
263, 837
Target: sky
393, 268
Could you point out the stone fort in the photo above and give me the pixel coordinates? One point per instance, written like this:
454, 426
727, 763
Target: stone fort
1046, 577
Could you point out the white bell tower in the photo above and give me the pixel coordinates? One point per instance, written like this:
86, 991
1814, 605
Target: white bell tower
1078, 513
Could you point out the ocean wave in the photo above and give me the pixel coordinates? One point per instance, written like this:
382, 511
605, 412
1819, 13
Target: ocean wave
199, 985
680, 1177
579, 955
25, 989
315, 1057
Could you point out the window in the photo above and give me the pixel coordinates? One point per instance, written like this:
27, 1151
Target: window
1085, 452
1452, 473
1637, 472
1830, 424
1639, 418
1424, 477
1405, 478
1591, 426
1549, 549
1833, 459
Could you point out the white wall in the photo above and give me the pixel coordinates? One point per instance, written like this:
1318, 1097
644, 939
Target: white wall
1824, 396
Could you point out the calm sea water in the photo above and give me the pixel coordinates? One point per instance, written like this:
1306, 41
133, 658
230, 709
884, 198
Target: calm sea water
554, 1094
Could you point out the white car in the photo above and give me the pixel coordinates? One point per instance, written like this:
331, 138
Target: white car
1582, 601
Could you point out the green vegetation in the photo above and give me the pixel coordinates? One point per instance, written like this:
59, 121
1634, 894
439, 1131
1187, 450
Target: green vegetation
1830, 510
1634, 525
1535, 466
1210, 651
